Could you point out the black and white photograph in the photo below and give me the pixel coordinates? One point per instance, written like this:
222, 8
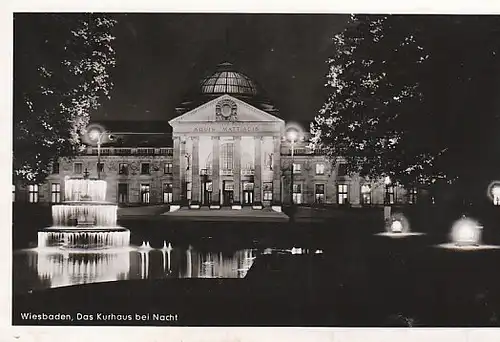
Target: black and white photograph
255, 170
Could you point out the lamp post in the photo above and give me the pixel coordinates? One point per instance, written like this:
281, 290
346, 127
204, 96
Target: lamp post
292, 135
96, 136
387, 205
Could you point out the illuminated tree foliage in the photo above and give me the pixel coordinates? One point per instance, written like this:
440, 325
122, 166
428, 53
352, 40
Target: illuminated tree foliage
61, 74
413, 97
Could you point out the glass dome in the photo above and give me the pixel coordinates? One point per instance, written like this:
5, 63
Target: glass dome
226, 80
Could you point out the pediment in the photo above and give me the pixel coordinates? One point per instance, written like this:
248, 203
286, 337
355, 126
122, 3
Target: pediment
225, 109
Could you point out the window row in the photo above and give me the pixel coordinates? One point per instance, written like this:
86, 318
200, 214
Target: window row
343, 194
320, 168
226, 164
123, 168
267, 193
145, 193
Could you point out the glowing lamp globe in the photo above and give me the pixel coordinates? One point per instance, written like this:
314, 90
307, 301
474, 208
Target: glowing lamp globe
495, 191
292, 135
396, 226
94, 134
466, 232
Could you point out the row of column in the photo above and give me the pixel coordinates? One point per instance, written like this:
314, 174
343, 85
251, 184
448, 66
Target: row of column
179, 177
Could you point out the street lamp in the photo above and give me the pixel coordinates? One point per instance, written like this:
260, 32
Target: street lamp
387, 182
292, 135
96, 135
387, 206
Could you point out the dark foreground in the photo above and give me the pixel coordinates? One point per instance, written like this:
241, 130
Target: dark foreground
360, 280
403, 287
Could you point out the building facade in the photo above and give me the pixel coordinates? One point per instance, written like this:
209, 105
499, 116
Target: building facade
226, 147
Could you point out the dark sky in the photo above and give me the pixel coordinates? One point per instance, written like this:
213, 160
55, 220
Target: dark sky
161, 57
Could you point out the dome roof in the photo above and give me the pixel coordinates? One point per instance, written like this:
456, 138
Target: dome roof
226, 80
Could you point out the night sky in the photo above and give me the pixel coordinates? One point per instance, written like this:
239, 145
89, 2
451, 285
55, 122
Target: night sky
161, 57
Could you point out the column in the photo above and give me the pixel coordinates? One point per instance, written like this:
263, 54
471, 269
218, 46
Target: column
176, 172
257, 178
277, 170
237, 170
195, 169
215, 170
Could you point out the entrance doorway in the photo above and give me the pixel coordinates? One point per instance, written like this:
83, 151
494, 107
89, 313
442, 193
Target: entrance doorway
247, 193
228, 193
122, 192
207, 193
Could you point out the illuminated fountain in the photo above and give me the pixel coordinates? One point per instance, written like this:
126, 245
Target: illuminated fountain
398, 227
465, 235
64, 268
84, 220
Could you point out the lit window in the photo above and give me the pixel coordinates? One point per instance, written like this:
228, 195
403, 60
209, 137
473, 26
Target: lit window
319, 193
297, 193
78, 168
226, 152
366, 194
145, 169
412, 198
123, 169
55, 193
296, 168
33, 193
55, 168
268, 191
320, 169
342, 193
144, 193
167, 193
167, 168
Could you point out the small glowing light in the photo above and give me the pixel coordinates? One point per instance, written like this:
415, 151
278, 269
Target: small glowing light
495, 191
466, 232
387, 180
397, 227
398, 224
292, 134
94, 134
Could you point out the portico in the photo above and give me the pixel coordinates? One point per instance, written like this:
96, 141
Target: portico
227, 153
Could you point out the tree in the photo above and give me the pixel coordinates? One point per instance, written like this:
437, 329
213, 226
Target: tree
405, 93
61, 74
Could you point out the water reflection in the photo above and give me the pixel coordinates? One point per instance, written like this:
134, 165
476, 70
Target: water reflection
55, 267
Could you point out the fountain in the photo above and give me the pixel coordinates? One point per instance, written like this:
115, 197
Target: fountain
84, 220
398, 226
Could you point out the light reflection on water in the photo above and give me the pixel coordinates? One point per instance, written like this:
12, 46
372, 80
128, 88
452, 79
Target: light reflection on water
54, 267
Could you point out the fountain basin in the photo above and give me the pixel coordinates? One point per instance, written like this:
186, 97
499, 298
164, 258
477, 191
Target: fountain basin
93, 229
70, 213
93, 237
86, 203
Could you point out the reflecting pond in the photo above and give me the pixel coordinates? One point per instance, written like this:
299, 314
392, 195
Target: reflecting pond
49, 267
